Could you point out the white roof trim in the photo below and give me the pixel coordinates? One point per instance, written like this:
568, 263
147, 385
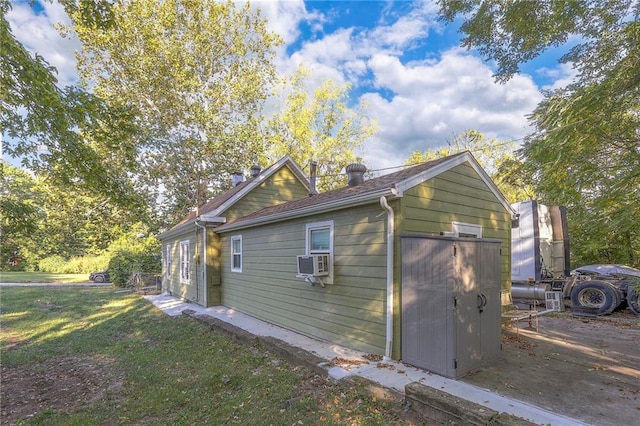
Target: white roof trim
448, 165
214, 215
295, 168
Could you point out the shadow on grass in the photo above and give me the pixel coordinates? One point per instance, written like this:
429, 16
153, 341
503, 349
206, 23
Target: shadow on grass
96, 356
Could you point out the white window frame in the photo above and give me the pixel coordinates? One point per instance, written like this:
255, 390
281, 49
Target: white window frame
467, 229
185, 261
318, 226
167, 263
235, 268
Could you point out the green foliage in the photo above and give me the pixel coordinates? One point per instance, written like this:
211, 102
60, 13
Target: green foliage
60, 132
125, 263
321, 128
19, 215
54, 264
514, 32
496, 157
76, 265
196, 73
133, 252
584, 152
65, 230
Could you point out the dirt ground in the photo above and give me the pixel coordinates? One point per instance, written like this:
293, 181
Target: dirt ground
587, 368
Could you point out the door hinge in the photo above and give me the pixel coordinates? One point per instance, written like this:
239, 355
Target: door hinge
455, 250
455, 302
455, 364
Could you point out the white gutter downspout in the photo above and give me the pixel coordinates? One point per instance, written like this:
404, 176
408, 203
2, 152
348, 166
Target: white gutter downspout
203, 260
390, 242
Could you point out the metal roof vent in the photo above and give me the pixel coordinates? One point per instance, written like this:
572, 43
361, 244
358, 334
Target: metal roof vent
255, 171
355, 173
237, 178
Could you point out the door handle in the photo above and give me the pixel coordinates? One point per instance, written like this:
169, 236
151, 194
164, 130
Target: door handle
482, 301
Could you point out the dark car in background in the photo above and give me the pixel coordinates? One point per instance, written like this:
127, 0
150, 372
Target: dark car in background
100, 277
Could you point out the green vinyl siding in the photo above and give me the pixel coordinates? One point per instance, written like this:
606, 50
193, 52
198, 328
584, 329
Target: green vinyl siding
204, 286
458, 195
192, 290
213, 296
278, 188
351, 311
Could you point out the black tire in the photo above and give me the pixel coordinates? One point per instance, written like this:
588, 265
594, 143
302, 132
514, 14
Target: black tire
598, 295
99, 278
632, 300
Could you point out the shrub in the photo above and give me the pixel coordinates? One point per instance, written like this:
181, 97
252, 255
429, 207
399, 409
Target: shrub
125, 263
76, 265
53, 264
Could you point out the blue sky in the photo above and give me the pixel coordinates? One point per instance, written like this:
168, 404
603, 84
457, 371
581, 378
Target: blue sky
401, 60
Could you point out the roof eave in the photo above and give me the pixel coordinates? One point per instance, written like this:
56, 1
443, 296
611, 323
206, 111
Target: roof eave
297, 171
314, 209
449, 164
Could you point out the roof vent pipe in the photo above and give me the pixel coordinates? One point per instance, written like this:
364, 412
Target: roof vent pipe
355, 173
313, 166
255, 171
237, 178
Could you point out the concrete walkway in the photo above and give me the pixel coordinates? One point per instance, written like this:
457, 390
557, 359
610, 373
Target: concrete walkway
394, 376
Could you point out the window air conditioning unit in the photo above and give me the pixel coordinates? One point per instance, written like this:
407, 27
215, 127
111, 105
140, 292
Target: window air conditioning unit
316, 265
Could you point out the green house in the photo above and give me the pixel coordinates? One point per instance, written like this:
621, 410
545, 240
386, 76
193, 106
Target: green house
329, 265
191, 250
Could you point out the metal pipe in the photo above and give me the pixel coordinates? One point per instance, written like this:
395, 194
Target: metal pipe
390, 242
204, 260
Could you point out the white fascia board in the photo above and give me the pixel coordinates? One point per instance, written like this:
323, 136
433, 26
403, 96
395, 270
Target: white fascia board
171, 233
448, 165
209, 219
203, 220
295, 168
315, 209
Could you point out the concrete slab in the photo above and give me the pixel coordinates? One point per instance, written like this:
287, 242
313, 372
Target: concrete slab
390, 374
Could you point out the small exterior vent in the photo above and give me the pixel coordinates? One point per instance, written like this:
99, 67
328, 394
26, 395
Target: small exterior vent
315, 265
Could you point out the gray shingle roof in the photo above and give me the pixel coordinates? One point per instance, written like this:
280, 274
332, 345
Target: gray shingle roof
370, 186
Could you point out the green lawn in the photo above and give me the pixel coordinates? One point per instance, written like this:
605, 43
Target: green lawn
91, 356
42, 277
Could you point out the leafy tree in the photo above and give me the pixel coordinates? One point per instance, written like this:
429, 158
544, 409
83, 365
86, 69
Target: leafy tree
496, 157
321, 128
19, 213
134, 251
63, 132
76, 222
584, 152
197, 73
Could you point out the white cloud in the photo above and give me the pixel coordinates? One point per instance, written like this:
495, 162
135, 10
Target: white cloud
37, 34
563, 75
420, 104
433, 101
283, 17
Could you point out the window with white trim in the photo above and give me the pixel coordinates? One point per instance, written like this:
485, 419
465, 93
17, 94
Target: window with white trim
236, 253
319, 238
167, 261
185, 261
466, 230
